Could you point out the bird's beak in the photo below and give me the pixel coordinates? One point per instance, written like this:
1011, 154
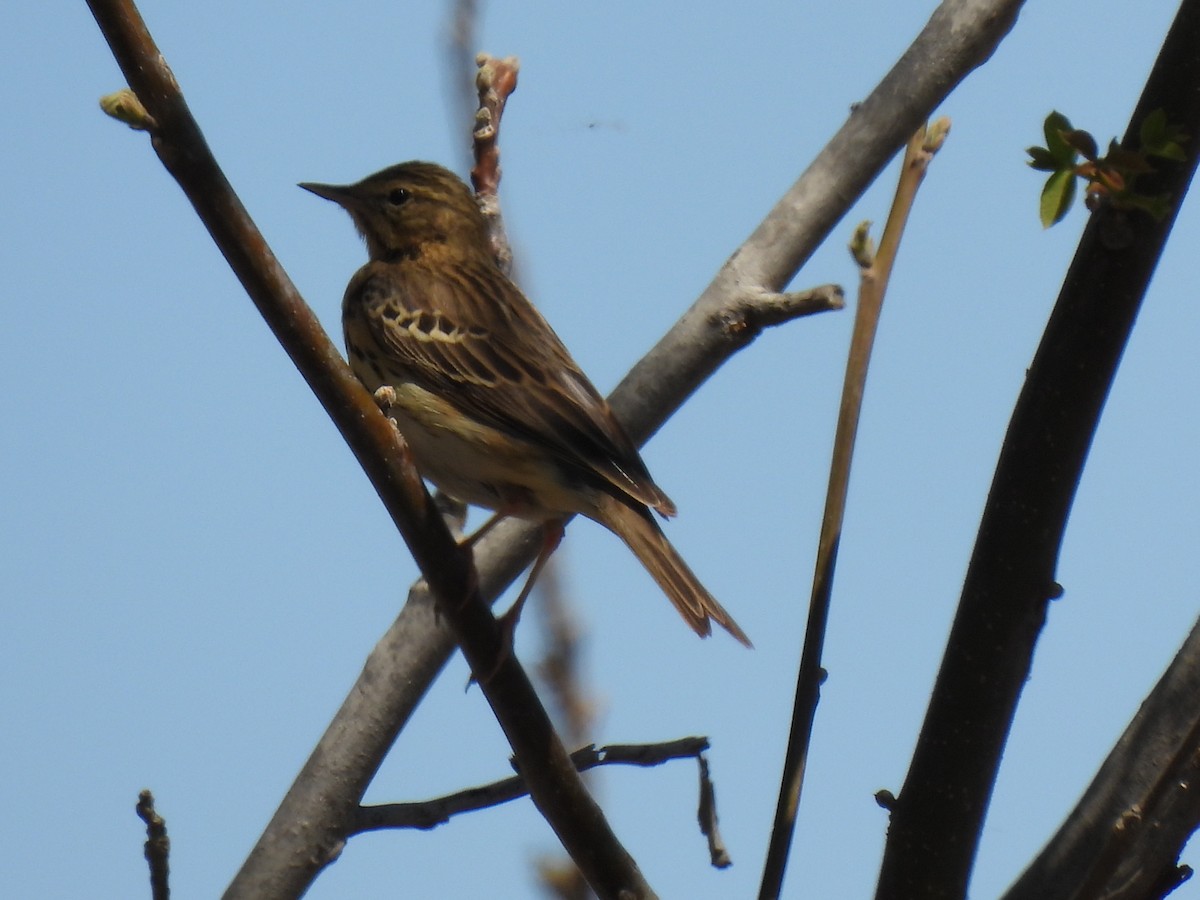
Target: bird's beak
342, 195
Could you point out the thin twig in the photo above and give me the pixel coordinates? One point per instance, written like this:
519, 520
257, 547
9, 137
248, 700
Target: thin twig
495, 81
876, 269
706, 813
157, 848
427, 814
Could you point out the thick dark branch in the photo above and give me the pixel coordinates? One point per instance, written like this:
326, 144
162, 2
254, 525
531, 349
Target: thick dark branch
1125, 835
937, 819
554, 784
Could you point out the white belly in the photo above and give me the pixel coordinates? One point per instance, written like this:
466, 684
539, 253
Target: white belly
479, 465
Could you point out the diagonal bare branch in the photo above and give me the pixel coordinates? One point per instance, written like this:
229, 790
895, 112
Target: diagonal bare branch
1125, 836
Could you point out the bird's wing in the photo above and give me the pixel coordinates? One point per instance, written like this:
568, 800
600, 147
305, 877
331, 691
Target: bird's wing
466, 333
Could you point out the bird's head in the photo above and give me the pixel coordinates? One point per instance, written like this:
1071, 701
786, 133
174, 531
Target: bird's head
404, 208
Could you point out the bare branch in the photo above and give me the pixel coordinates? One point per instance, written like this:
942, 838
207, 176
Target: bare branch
431, 813
496, 80
1124, 837
876, 270
745, 317
707, 815
157, 847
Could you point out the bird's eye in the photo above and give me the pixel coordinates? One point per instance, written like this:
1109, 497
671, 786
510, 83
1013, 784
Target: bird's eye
398, 196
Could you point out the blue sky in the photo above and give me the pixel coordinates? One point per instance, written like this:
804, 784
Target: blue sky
194, 567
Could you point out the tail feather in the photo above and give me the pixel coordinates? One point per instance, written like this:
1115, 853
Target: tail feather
638, 529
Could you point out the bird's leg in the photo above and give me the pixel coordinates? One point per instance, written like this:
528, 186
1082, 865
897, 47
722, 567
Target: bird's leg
552, 534
469, 542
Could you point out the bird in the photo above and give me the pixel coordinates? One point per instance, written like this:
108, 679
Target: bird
494, 410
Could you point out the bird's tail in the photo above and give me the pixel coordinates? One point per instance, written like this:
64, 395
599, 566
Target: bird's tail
638, 529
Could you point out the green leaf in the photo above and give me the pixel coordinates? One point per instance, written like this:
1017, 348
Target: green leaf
1055, 128
1083, 142
1041, 159
1057, 196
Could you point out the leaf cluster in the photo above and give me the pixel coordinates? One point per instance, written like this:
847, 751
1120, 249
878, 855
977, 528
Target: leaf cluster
1071, 153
